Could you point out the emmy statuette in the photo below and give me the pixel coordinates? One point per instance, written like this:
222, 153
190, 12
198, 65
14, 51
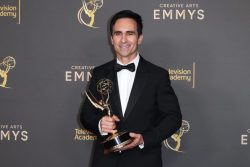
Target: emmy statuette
118, 140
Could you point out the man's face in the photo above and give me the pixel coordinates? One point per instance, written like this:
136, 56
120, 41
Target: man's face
125, 38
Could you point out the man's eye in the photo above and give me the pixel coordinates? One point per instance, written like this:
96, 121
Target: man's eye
131, 33
117, 33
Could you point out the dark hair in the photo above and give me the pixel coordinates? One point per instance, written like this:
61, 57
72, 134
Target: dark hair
126, 14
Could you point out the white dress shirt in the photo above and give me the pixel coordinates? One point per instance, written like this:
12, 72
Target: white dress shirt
125, 80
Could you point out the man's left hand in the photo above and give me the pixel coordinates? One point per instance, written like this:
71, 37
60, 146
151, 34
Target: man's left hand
137, 140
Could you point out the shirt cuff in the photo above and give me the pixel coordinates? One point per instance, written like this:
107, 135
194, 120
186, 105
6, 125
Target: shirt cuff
100, 130
141, 146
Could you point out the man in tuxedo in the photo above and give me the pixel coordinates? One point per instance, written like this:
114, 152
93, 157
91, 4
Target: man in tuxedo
142, 100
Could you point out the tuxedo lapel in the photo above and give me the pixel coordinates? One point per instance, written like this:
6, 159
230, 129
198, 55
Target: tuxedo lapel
138, 86
115, 96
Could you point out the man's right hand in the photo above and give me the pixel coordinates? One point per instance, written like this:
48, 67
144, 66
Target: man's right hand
108, 124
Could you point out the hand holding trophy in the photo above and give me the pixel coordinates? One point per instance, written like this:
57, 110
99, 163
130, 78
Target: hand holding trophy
117, 140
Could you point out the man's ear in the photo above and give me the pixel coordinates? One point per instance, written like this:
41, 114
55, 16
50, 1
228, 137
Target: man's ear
111, 40
140, 39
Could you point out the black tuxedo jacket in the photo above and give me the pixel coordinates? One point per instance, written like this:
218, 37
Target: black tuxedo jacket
153, 111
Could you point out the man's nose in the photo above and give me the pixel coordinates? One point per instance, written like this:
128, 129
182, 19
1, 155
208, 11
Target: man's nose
124, 38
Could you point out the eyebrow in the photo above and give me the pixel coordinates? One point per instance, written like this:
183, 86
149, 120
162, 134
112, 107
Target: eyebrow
125, 32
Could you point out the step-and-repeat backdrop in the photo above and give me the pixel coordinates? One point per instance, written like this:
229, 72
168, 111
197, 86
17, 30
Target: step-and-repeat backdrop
49, 47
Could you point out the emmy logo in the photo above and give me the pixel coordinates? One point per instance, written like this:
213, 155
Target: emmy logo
5, 66
174, 143
117, 140
89, 7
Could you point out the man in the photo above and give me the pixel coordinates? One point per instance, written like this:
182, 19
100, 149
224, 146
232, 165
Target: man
142, 100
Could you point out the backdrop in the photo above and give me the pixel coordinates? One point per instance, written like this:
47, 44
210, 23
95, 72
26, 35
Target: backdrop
48, 48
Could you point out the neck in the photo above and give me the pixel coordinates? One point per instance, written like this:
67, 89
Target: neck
126, 60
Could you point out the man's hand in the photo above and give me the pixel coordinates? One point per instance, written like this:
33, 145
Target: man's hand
137, 140
108, 124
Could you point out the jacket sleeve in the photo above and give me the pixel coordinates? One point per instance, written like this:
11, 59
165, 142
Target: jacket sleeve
169, 116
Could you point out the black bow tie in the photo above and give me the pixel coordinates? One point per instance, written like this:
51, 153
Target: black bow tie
130, 67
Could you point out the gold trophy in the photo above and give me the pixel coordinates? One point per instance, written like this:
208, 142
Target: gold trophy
117, 140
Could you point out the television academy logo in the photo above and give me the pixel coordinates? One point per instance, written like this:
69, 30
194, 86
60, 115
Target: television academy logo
180, 73
6, 65
83, 134
86, 14
11, 9
174, 142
